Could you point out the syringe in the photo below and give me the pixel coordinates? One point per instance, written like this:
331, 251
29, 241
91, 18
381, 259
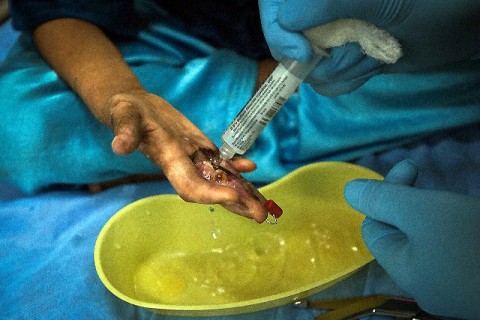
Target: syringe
266, 102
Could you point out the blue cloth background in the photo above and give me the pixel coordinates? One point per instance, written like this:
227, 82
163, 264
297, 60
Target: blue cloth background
7, 38
47, 240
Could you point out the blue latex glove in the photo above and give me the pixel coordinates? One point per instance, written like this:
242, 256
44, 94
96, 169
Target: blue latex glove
427, 241
431, 32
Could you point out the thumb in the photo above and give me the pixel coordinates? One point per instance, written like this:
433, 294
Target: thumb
125, 123
282, 43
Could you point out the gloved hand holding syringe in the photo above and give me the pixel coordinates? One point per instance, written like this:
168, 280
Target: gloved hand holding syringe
266, 102
288, 75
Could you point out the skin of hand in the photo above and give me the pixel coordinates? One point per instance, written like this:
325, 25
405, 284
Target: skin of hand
88, 61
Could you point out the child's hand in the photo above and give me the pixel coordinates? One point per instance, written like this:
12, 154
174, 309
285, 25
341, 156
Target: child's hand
146, 122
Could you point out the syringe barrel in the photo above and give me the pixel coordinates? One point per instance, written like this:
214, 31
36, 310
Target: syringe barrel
299, 69
264, 105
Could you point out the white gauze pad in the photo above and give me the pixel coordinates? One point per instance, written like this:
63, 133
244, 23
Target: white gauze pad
374, 42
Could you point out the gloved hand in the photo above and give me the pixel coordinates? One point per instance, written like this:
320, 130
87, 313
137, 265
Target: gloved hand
431, 32
427, 241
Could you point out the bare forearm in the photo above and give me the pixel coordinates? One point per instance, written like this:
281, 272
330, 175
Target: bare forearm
87, 60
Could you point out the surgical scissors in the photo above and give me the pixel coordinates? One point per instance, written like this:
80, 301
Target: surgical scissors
359, 307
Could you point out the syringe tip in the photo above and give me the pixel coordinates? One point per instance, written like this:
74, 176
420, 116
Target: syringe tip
226, 152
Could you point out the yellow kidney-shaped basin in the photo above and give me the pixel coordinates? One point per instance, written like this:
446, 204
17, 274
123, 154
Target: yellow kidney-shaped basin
181, 258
